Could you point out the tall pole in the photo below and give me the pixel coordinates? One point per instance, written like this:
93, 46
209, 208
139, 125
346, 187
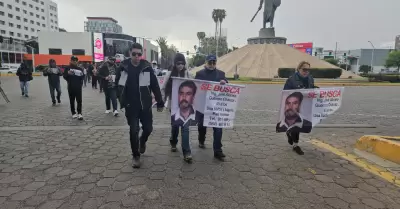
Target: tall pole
335, 50
372, 57
217, 40
15, 54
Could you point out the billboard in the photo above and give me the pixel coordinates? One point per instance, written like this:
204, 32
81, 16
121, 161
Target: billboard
98, 47
304, 47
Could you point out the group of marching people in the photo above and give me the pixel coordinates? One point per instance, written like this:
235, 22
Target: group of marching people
134, 83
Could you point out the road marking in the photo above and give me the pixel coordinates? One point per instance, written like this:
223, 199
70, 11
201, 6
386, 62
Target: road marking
378, 171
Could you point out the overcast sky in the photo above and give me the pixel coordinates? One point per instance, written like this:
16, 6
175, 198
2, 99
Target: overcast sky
351, 23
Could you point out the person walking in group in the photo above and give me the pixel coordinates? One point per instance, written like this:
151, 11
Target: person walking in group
53, 74
98, 77
94, 76
211, 73
108, 73
84, 74
139, 82
25, 76
300, 80
89, 72
74, 77
178, 70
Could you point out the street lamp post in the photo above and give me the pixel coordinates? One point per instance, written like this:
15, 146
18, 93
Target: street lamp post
372, 57
33, 57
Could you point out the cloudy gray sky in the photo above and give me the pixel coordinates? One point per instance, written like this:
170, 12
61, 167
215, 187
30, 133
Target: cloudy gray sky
351, 23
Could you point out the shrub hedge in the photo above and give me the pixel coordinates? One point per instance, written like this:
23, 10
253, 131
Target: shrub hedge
315, 72
379, 77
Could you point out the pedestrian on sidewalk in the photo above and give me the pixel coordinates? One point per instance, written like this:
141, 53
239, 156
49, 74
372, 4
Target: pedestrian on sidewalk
25, 76
94, 77
84, 74
211, 73
139, 82
74, 77
99, 78
53, 74
108, 73
300, 80
89, 72
178, 70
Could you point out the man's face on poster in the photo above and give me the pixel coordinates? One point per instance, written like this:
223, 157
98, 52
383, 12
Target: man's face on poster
292, 108
186, 97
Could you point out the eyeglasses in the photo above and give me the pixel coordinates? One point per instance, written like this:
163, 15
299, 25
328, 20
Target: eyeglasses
134, 54
212, 62
180, 63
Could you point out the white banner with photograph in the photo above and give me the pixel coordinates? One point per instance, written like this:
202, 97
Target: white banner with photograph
197, 101
302, 109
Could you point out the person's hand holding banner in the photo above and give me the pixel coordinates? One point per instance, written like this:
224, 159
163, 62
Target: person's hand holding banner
222, 82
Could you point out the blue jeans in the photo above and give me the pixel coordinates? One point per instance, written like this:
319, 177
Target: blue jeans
185, 138
111, 95
57, 88
24, 87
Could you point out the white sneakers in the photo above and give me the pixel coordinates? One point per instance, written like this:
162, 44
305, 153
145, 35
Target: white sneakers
108, 111
79, 116
116, 113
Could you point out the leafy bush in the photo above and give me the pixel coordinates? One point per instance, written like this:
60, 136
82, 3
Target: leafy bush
379, 77
315, 72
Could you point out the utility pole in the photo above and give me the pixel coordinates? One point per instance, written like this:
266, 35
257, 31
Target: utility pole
335, 50
372, 59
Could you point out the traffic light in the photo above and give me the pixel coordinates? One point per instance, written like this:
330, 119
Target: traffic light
1, 39
10, 40
187, 53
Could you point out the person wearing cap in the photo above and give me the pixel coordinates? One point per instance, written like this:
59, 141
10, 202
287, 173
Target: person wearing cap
74, 76
138, 82
155, 68
300, 80
108, 73
53, 74
211, 73
179, 70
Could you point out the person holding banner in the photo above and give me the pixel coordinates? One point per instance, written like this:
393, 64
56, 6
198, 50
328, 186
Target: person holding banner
294, 123
211, 73
186, 114
138, 82
107, 73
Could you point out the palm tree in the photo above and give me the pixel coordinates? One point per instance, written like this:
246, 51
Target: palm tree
162, 42
221, 17
215, 14
201, 36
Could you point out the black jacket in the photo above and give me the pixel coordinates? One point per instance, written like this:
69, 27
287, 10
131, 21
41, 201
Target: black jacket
104, 72
211, 75
24, 74
296, 82
75, 80
142, 99
54, 78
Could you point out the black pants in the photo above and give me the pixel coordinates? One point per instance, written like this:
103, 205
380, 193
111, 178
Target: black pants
75, 94
217, 135
100, 84
133, 117
293, 136
57, 88
88, 77
94, 82
111, 97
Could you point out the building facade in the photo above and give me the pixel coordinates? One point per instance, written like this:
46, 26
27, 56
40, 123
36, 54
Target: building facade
21, 20
397, 43
377, 57
102, 25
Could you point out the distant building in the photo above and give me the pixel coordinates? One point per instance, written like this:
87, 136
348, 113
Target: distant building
359, 57
397, 43
102, 25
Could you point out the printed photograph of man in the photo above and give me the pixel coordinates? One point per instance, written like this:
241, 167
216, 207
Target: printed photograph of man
185, 114
293, 120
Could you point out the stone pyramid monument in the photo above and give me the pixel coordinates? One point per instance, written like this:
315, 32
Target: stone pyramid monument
265, 54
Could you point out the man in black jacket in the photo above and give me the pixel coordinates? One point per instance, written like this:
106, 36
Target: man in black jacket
138, 82
25, 75
74, 76
108, 73
211, 73
53, 73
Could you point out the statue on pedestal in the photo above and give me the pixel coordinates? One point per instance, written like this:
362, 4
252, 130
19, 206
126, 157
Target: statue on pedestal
270, 7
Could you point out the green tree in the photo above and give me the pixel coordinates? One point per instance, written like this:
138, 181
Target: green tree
332, 61
214, 16
364, 69
393, 60
221, 16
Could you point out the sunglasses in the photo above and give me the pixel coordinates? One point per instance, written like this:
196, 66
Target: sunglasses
134, 54
180, 63
212, 62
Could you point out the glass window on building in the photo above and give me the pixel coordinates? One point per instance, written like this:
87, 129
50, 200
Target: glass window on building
31, 13
41, 2
1, 4
42, 10
25, 11
17, 9
17, 1
26, 36
11, 33
43, 25
37, 16
1, 13
25, 20
2, 22
24, 3
26, 28
3, 32
78, 52
19, 26
18, 17
43, 18
11, 24
55, 51
32, 22
10, 15
33, 29
18, 34
9, 6
37, 8
38, 23
30, 5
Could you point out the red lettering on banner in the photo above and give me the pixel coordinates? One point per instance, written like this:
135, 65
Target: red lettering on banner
206, 86
329, 94
312, 95
230, 89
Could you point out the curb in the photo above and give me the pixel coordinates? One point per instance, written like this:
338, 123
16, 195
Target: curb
385, 147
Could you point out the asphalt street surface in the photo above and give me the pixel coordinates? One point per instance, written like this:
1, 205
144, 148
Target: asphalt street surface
49, 161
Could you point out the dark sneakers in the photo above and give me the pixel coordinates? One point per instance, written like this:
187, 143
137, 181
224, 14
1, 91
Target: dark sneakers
298, 150
289, 138
142, 148
136, 162
219, 155
201, 145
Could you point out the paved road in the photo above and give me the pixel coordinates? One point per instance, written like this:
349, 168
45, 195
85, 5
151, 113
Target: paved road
87, 164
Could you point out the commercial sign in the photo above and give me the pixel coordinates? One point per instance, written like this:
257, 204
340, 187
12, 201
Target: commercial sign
304, 47
98, 47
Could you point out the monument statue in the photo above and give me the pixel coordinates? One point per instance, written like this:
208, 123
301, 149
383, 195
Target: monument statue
270, 7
